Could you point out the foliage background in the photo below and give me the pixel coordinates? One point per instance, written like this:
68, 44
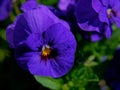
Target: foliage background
88, 73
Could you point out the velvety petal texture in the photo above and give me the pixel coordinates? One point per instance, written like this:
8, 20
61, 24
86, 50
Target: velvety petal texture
5, 8
44, 44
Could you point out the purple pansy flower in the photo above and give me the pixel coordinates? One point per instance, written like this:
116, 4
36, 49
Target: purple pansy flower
108, 10
5, 8
97, 16
43, 44
65, 11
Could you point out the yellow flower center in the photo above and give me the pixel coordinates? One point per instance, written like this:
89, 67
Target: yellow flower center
46, 51
110, 13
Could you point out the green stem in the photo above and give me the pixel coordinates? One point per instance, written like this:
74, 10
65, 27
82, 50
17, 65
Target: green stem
12, 16
16, 8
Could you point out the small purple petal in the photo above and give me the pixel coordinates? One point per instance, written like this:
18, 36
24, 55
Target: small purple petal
9, 35
95, 37
117, 21
28, 5
103, 15
108, 31
63, 4
87, 27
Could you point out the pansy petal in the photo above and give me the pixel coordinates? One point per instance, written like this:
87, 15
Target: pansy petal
103, 16
10, 33
116, 17
62, 65
21, 30
105, 2
114, 3
87, 27
34, 42
23, 53
86, 16
24, 58
96, 37
63, 4
117, 21
59, 35
84, 11
38, 67
40, 19
49, 68
28, 5
65, 24
5, 8
108, 31
97, 5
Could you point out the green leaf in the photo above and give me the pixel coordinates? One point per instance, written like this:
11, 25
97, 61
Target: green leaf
48, 2
54, 84
78, 37
3, 34
3, 54
91, 58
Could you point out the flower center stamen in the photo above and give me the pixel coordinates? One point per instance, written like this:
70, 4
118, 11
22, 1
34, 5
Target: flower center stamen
46, 51
109, 11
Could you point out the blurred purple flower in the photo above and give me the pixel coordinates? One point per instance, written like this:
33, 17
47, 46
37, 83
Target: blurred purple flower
5, 8
98, 16
113, 72
43, 43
